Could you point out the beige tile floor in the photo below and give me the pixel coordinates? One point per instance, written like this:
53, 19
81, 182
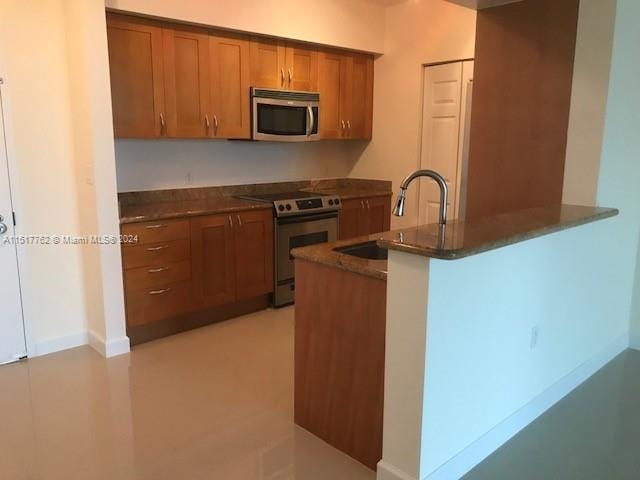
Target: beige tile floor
213, 403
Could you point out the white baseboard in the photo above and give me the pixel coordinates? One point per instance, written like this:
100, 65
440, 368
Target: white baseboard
468, 458
389, 472
52, 345
109, 348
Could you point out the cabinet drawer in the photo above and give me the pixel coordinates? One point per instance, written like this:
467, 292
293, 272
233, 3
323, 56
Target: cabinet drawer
160, 231
147, 305
157, 276
155, 254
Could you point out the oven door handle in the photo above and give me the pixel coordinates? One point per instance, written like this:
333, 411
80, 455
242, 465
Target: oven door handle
311, 122
306, 218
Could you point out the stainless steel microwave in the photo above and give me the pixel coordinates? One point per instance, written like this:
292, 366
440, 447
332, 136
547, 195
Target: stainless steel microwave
284, 116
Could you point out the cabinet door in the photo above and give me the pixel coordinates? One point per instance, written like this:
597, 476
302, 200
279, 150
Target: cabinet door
137, 86
254, 253
351, 215
377, 215
302, 69
186, 78
267, 64
360, 97
332, 78
212, 254
229, 87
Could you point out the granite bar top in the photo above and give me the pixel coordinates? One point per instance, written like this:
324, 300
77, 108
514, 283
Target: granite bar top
185, 202
463, 238
324, 254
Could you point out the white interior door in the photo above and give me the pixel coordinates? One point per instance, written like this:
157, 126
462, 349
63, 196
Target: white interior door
443, 135
12, 339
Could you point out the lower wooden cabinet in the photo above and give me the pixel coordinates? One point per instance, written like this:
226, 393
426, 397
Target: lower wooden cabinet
365, 216
187, 266
232, 256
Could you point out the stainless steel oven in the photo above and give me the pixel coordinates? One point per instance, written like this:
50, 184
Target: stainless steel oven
284, 116
294, 232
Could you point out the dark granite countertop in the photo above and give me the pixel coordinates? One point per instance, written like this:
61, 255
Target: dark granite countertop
463, 238
144, 206
186, 208
324, 254
460, 238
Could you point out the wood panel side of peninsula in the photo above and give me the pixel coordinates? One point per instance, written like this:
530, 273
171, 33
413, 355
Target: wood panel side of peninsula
340, 323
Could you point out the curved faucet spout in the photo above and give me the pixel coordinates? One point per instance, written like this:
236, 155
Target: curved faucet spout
398, 210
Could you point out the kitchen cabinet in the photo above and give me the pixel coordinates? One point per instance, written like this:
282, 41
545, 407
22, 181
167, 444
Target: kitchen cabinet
346, 95
186, 81
137, 79
283, 65
171, 80
365, 216
232, 256
229, 67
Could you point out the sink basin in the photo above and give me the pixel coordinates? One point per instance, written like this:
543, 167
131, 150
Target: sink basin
368, 250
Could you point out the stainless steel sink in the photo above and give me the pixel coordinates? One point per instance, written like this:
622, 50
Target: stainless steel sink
368, 250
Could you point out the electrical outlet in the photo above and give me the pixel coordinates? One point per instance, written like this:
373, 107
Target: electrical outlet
534, 337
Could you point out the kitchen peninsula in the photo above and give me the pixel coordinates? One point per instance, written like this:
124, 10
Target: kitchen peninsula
423, 325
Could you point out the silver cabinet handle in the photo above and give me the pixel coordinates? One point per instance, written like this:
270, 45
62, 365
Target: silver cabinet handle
159, 292
282, 75
349, 125
162, 124
206, 121
362, 204
215, 123
290, 77
158, 270
342, 122
368, 206
239, 220
230, 221
156, 249
159, 225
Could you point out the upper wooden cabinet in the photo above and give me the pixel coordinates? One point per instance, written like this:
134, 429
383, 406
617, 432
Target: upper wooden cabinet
186, 81
177, 81
229, 67
137, 79
283, 65
346, 95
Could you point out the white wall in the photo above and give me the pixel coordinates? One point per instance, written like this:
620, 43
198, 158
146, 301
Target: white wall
33, 52
60, 140
416, 32
356, 24
588, 100
620, 169
152, 165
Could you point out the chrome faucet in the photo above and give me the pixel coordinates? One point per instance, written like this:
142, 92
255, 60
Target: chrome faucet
398, 210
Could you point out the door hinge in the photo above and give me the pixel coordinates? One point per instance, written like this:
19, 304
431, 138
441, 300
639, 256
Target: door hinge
13, 214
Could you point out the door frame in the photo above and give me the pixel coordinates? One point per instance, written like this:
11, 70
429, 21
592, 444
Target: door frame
12, 171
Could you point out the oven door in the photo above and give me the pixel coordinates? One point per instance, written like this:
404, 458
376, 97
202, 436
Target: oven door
285, 120
294, 232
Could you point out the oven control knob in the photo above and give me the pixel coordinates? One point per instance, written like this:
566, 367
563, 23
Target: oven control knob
288, 207
281, 208
337, 201
331, 201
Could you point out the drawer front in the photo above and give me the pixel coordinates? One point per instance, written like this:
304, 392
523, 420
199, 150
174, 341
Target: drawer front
155, 254
147, 305
160, 231
157, 276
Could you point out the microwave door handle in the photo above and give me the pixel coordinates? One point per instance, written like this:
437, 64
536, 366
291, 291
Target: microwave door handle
311, 121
